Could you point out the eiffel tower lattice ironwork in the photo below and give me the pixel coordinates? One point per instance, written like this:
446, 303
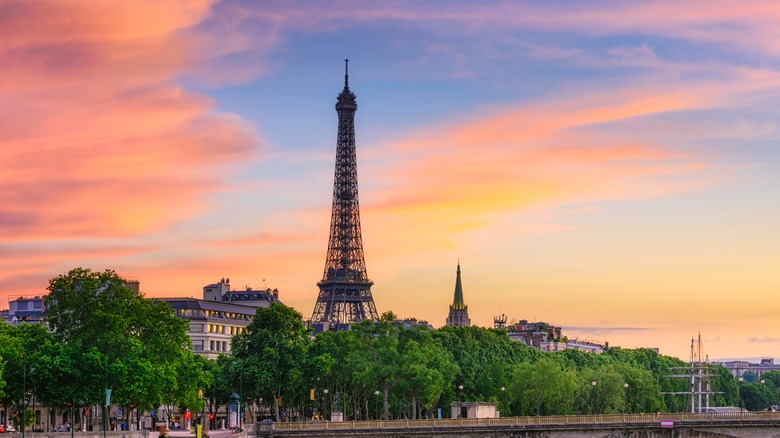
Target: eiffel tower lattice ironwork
345, 290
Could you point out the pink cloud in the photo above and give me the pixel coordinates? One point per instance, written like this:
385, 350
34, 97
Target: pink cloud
98, 139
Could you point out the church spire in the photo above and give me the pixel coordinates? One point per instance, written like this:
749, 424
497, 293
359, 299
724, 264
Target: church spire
459, 311
457, 303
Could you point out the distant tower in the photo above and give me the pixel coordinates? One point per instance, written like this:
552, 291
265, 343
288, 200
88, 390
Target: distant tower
459, 312
345, 290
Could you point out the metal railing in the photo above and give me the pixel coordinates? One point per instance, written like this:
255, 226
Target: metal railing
519, 421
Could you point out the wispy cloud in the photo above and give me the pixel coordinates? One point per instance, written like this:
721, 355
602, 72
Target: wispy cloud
766, 340
97, 139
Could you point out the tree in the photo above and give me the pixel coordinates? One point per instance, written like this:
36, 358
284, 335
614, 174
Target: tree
20, 349
750, 377
642, 392
116, 339
542, 388
601, 391
273, 353
426, 367
475, 350
378, 361
757, 397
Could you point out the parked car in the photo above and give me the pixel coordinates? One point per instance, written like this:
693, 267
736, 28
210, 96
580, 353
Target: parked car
10, 428
2, 428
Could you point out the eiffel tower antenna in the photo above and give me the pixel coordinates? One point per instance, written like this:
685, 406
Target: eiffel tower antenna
345, 290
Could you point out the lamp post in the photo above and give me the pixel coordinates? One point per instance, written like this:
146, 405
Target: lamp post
625, 394
593, 397
241, 399
739, 390
202, 421
24, 395
325, 404
376, 393
763, 399
460, 401
503, 399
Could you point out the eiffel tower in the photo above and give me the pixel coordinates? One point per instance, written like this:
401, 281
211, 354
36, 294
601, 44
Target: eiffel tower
345, 290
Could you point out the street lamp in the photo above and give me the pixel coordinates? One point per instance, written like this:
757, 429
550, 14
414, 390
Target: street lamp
593, 395
376, 393
325, 405
625, 394
460, 392
24, 395
503, 399
739, 390
202, 425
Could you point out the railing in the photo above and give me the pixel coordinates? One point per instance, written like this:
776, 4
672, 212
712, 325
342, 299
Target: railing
518, 421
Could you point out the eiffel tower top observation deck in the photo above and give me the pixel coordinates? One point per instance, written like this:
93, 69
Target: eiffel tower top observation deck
345, 290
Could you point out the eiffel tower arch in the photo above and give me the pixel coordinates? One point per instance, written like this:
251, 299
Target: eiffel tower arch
345, 290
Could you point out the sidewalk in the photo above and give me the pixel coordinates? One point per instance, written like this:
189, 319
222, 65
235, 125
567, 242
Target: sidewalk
215, 433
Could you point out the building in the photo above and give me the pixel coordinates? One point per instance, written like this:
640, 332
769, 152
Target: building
221, 291
212, 324
473, 410
32, 309
220, 315
739, 367
544, 336
586, 346
459, 311
414, 322
540, 335
24, 309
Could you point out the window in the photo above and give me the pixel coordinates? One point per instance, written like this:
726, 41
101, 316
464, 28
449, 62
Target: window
212, 346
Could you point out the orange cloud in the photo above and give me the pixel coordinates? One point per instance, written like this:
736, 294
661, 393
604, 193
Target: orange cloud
98, 139
453, 179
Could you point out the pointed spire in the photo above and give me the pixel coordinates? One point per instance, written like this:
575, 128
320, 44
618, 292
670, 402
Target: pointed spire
458, 303
346, 99
346, 74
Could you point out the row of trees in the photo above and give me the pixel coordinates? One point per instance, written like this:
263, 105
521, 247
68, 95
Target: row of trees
380, 369
103, 335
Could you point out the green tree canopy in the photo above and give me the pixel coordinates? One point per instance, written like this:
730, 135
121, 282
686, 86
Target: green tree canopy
273, 353
115, 338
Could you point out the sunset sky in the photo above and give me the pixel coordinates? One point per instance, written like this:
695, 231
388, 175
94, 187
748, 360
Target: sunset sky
609, 167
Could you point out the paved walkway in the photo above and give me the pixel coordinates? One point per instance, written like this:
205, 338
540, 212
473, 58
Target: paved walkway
214, 433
